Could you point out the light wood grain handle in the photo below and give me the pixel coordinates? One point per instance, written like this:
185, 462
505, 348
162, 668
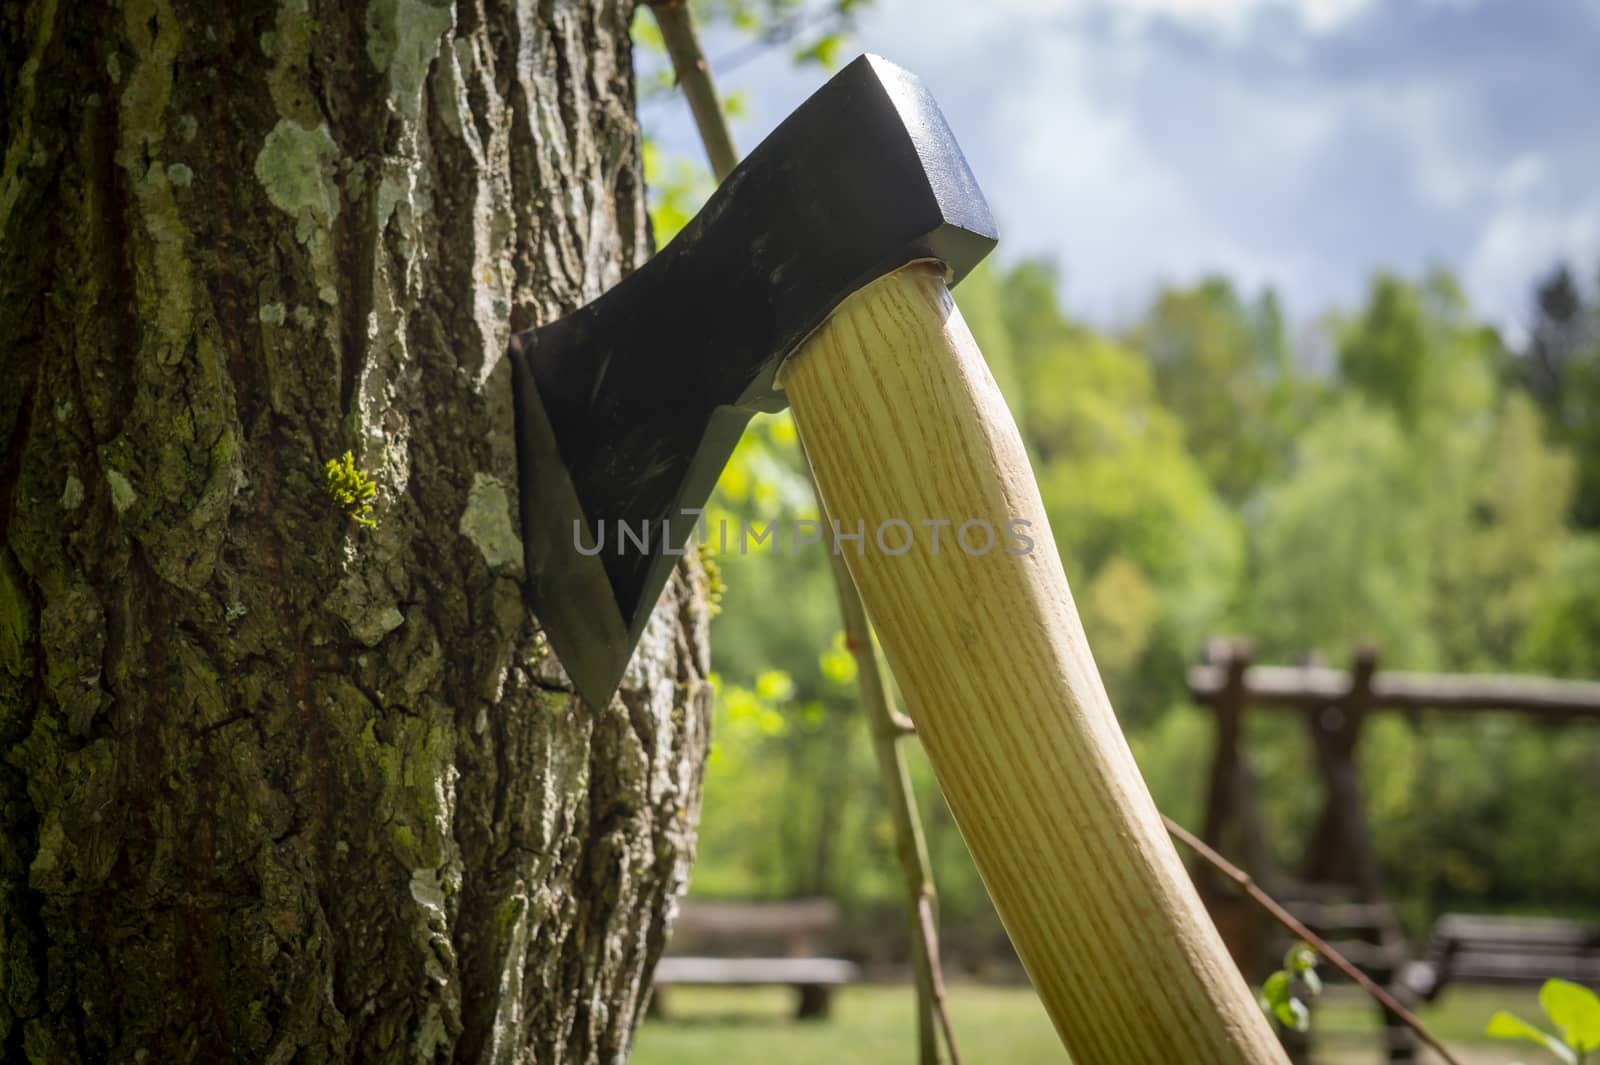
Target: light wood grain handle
903, 423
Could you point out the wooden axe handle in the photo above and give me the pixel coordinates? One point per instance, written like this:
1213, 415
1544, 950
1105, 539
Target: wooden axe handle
902, 422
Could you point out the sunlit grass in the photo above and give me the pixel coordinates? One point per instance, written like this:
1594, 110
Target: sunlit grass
874, 1025
869, 1025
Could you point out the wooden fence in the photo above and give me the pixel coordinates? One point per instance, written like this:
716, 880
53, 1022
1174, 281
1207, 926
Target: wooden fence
1337, 884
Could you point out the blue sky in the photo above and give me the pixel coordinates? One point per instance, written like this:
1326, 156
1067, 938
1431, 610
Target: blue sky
1298, 142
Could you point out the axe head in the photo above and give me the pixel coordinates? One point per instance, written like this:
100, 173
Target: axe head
627, 409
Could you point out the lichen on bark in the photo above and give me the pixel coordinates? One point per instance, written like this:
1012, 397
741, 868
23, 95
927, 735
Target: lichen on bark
273, 788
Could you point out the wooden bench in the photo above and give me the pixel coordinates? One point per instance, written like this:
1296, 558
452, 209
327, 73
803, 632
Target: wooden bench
792, 933
1471, 949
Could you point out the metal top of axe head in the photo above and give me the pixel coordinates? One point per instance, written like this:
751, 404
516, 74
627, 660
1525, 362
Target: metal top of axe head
627, 409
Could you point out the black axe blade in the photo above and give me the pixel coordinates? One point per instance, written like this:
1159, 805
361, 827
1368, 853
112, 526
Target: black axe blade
627, 409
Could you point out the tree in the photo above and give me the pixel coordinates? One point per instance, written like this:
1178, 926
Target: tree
1415, 489
1224, 370
276, 785
1561, 330
1560, 367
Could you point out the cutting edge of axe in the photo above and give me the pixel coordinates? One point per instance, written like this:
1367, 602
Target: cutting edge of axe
628, 408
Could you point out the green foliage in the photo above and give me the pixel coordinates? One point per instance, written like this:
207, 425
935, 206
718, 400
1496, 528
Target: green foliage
677, 189
352, 488
1442, 534
1382, 354
1563, 633
1416, 350
1287, 993
1559, 366
1222, 368
1420, 510
1574, 1010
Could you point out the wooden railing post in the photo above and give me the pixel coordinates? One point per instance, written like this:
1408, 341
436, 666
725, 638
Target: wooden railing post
1341, 849
1235, 919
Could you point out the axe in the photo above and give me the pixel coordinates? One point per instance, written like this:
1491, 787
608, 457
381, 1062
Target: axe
818, 277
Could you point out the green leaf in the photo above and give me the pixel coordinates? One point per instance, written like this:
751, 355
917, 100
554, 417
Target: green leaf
1275, 992
647, 35
1300, 959
837, 663
1277, 998
1506, 1026
824, 51
774, 685
1575, 1010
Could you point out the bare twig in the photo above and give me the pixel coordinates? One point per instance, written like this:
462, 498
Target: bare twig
1296, 927
930, 944
885, 723
694, 75
887, 726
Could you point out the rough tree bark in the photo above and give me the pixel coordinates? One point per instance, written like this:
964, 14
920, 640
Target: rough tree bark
275, 787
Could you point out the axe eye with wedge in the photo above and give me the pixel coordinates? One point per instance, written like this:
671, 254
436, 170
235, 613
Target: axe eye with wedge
817, 277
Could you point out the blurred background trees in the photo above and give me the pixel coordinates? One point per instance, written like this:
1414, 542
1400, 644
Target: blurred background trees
1205, 474
1400, 472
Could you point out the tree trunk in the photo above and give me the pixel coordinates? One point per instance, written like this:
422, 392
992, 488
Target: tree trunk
276, 786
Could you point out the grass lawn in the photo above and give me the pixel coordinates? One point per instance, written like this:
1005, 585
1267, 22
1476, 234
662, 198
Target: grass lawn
873, 1025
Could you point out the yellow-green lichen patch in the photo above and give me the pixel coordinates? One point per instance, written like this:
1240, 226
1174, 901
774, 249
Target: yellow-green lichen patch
486, 521
428, 891
296, 168
72, 493
122, 494
402, 41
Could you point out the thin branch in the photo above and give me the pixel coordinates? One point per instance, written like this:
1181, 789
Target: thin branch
694, 75
887, 726
930, 937
1296, 927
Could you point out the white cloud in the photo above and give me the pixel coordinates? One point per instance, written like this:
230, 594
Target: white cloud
1519, 243
1316, 14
